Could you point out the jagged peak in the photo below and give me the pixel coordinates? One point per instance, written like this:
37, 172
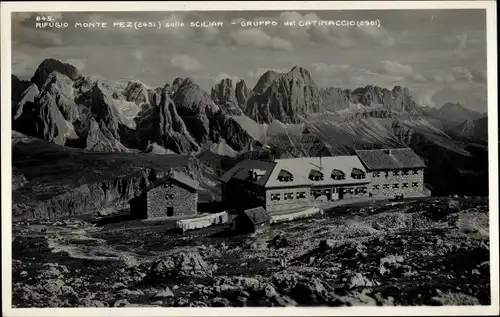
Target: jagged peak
48, 66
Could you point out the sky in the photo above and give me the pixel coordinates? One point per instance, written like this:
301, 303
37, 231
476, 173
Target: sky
440, 55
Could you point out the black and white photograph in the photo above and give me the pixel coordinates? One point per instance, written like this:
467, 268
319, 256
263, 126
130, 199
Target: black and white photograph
251, 158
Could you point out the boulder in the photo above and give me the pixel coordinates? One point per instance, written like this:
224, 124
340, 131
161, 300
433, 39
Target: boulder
180, 264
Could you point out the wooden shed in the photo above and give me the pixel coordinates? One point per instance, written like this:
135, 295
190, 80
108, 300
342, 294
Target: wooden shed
251, 220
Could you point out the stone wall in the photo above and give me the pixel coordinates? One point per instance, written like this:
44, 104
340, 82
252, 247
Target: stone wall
284, 204
171, 194
383, 185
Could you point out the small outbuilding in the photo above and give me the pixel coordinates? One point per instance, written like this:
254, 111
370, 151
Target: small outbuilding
173, 195
251, 220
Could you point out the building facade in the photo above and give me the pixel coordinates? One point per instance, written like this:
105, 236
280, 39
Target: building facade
394, 171
285, 184
175, 195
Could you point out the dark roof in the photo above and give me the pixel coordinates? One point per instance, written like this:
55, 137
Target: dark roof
284, 173
386, 159
315, 173
357, 171
257, 215
177, 177
240, 171
337, 172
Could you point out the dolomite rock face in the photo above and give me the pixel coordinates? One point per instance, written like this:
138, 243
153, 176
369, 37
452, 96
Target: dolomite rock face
284, 97
242, 93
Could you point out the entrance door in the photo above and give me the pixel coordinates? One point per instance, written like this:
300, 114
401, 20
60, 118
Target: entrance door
341, 192
170, 211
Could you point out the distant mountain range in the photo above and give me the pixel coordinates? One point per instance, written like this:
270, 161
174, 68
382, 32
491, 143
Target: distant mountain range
285, 113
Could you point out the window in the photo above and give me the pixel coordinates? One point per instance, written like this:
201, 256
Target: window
405, 172
337, 174
357, 173
288, 196
315, 175
360, 190
395, 173
414, 184
415, 172
168, 185
405, 185
169, 196
395, 185
301, 195
285, 176
387, 174
376, 187
386, 186
376, 174
275, 197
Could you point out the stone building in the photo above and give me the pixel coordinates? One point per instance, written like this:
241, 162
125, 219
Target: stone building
394, 171
174, 195
285, 184
293, 183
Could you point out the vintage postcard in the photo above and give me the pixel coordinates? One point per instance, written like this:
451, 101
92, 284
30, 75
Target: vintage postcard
249, 158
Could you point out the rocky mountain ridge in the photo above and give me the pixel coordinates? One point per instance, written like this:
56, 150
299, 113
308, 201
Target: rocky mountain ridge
66, 108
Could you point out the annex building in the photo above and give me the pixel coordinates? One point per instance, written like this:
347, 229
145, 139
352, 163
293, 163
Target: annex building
297, 182
173, 195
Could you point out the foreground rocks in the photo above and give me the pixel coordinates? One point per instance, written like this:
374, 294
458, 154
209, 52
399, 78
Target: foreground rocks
337, 261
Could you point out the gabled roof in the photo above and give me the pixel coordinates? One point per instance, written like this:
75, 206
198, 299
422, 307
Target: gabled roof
388, 159
241, 171
177, 177
257, 215
302, 167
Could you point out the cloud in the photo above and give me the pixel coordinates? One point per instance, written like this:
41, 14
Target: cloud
418, 77
461, 41
78, 63
443, 79
185, 62
425, 98
138, 56
23, 65
479, 76
461, 73
37, 38
257, 38
396, 68
330, 68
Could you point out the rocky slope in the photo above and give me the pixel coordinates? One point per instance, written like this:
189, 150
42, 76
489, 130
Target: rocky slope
53, 181
475, 129
451, 115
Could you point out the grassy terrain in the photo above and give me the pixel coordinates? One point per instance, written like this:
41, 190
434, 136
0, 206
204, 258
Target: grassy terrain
431, 251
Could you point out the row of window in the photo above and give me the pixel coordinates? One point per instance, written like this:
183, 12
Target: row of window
288, 196
396, 173
396, 185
